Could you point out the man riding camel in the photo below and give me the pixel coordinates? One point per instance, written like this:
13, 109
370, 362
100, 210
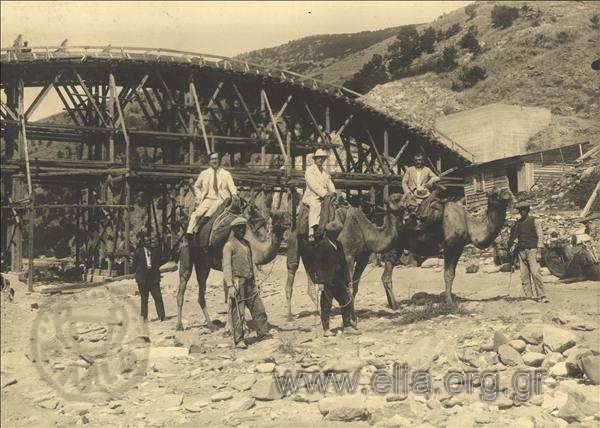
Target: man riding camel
318, 185
417, 183
212, 187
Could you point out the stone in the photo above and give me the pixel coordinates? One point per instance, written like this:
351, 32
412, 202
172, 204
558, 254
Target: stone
171, 400
487, 346
559, 370
197, 349
583, 325
242, 382
499, 339
533, 359
503, 402
165, 352
195, 405
431, 262
48, 403
343, 365
379, 364
344, 408
472, 268
551, 359
518, 344
461, 420
395, 421
578, 406
265, 367
266, 389
491, 269
242, 405
7, 380
535, 348
532, 334
553, 401
590, 365
221, 396
509, 356
558, 339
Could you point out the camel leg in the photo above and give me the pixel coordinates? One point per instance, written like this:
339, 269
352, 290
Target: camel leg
311, 289
202, 271
361, 263
451, 256
185, 271
388, 285
292, 267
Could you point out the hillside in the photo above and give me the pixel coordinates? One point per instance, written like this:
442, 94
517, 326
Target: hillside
542, 60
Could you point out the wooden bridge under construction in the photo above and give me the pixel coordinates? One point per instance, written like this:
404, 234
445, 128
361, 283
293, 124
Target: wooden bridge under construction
139, 123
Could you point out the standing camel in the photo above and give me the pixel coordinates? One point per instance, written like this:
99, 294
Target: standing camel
264, 249
359, 237
458, 228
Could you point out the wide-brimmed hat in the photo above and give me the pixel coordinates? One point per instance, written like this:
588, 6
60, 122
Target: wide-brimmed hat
321, 153
238, 221
422, 193
334, 226
523, 206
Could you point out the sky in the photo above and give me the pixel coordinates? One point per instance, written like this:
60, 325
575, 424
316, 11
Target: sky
220, 28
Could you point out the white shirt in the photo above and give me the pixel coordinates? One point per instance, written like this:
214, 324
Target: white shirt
204, 187
148, 258
318, 183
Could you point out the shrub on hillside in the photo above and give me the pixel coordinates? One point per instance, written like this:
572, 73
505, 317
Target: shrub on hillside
448, 60
404, 50
371, 74
469, 41
469, 76
452, 30
471, 11
595, 20
427, 40
503, 16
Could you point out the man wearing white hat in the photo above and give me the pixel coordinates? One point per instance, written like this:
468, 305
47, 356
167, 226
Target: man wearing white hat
318, 185
212, 187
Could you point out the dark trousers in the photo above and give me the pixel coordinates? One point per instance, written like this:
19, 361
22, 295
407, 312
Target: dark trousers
246, 296
153, 288
340, 293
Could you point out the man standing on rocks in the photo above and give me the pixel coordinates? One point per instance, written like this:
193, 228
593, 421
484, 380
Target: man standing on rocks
212, 187
239, 274
334, 275
147, 263
530, 241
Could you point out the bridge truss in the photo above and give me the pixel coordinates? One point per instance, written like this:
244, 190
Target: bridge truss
137, 125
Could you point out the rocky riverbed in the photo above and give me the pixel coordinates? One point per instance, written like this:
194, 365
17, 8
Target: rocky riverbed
99, 366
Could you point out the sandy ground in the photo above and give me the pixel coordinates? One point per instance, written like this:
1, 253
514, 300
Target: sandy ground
152, 387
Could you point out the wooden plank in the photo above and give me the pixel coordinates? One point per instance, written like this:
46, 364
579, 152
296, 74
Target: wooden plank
246, 109
384, 166
40, 97
91, 99
590, 202
200, 117
275, 127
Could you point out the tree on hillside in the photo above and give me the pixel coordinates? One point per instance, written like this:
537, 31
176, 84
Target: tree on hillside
471, 11
428, 40
503, 16
448, 60
595, 20
469, 76
404, 51
371, 74
469, 41
452, 30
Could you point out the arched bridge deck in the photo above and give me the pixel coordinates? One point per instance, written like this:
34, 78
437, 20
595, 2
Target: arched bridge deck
135, 119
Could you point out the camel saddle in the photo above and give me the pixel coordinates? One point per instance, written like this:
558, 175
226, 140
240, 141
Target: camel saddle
216, 229
329, 209
429, 211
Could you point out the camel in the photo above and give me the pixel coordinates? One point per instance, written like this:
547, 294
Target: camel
457, 229
264, 243
359, 237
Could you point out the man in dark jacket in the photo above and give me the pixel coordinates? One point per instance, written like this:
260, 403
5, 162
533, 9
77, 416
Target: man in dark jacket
530, 241
332, 272
147, 263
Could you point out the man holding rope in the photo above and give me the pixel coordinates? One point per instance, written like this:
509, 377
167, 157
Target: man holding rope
333, 273
239, 274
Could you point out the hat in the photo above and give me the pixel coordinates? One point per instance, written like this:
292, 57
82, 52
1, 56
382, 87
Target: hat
238, 221
334, 226
523, 206
321, 153
422, 193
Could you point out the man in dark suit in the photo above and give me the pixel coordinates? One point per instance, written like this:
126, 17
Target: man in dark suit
332, 272
147, 275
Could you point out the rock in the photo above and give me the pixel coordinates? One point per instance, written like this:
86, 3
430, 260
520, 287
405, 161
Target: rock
377, 363
551, 359
532, 334
221, 396
491, 269
577, 407
266, 389
509, 356
242, 382
242, 405
574, 355
344, 408
499, 339
559, 370
553, 401
165, 352
343, 365
195, 405
590, 365
171, 400
535, 348
557, 339
7, 380
265, 368
395, 421
518, 344
48, 403
197, 349
533, 359
472, 268
583, 326
503, 402
487, 346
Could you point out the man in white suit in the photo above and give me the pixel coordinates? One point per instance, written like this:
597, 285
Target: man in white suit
318, 185
212, 187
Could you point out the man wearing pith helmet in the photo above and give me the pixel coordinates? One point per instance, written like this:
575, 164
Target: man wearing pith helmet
530, 241
239, 275
318, 185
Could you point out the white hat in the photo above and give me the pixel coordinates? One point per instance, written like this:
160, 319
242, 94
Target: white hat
238, 221
321, 153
